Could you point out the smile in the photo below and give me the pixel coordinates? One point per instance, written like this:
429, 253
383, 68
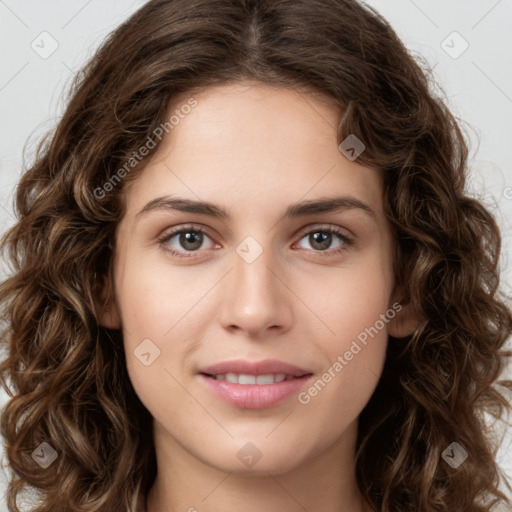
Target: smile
244, 378
254, 384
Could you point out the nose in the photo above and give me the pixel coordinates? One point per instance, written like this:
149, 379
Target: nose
256, 298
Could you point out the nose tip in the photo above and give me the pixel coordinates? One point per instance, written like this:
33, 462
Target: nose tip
255, 296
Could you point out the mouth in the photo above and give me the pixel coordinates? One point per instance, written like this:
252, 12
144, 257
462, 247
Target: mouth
248, 369
254, 385
247, 379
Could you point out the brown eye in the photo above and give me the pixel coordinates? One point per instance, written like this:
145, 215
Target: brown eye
321, 240
190, 240
181, 241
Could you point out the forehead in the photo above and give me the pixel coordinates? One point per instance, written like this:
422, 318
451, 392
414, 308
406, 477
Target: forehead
255, 144
253, 115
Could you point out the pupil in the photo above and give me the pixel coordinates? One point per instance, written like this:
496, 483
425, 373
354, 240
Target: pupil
191, 237
323, 239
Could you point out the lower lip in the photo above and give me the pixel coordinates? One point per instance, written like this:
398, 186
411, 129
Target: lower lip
255, 396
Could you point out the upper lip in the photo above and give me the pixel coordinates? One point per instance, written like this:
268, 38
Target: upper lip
265, 367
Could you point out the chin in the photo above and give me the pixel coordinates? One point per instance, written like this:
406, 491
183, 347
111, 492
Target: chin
264, 461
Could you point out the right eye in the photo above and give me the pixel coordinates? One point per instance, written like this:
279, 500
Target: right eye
189, 238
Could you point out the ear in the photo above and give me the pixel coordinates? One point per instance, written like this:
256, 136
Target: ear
107, 311
406, 319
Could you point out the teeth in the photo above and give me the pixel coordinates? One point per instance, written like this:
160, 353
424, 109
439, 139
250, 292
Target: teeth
265, 379
246, 379
243, 378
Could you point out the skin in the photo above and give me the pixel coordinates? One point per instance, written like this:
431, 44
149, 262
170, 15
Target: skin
254, 150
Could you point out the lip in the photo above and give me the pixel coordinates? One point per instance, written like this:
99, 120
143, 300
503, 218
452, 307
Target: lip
254, 396
255, 368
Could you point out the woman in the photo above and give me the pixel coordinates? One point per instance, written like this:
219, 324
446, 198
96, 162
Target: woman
247, 275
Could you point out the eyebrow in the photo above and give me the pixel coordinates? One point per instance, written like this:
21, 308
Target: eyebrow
301, 209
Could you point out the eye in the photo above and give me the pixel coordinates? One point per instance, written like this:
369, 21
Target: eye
321, 238
191, 239
188, 239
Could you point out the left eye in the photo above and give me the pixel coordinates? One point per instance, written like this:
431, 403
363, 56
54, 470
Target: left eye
322, 238
192, 239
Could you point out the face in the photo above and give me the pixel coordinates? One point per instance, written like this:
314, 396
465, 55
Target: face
219, 302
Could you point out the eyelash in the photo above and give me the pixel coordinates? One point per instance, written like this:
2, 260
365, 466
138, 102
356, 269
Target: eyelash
332, 230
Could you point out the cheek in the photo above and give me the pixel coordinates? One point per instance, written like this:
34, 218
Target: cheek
354, 307
353, 350
160, 308
350, 300
155, 300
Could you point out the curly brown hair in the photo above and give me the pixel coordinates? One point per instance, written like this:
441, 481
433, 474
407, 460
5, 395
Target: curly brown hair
68, 381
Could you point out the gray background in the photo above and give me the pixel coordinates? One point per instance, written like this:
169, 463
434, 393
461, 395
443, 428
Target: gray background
476, 81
